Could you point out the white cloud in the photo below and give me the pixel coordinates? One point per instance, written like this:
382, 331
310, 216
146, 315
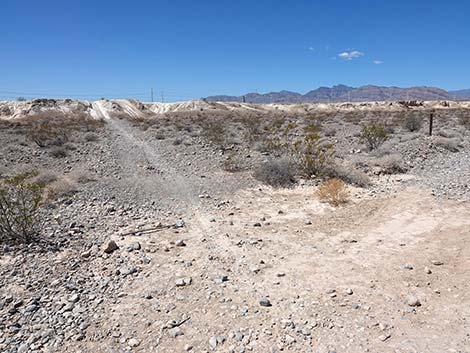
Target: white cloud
378, 62
311, 48
349, 55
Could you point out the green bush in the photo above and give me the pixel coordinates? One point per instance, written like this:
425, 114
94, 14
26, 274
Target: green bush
311, 155
20, 200
373, 135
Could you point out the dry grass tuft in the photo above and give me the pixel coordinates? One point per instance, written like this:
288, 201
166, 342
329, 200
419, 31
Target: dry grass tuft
334, 192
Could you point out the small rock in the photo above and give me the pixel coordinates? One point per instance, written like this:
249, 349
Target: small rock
427, 270
133, 342
127, 270
179, 224
385, 337
413, 301
406, 267
265, 302
23, 348
183, 281
180, 242
437, 263
86, 254
221, 279
74, 298
110, 247
349, 291
175, 332
135, 246
213, 342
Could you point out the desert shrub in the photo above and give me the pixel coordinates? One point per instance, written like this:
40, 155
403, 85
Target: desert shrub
81, 176
45, 134
58, 152
329, 131
59, 188
464, 119
91, 137
45, 178
311, 155
412, 122
334, 192
215, 133
177, 141
253, 129
373, 135
451, 144
277, 173
348, 173
233, 163
160, 135
54, 128
449, 133
20, 200
390, 164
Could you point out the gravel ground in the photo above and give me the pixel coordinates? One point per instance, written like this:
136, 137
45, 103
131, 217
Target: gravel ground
150, 246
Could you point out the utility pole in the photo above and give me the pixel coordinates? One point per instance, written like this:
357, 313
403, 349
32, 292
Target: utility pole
162, 95
431, 116
151, 95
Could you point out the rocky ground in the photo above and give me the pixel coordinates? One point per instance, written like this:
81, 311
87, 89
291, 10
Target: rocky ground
151, 245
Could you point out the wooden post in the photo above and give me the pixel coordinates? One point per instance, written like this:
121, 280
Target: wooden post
431, 116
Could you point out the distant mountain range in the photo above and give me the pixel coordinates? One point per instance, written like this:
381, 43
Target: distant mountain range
342, 93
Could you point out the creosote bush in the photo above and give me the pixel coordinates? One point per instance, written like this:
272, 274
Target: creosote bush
277, 173
334, 192
412, 122
20, 199
312, 156
373, 135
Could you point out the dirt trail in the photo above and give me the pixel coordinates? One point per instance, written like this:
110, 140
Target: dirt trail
364, 246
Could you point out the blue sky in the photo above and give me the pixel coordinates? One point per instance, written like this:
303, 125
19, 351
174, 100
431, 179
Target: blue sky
190, 49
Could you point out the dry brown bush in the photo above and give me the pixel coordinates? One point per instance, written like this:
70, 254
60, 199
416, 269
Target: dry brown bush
58, 189
334, 192
214, 132
55, 128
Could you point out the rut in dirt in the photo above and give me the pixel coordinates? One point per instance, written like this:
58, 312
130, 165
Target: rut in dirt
147, 171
